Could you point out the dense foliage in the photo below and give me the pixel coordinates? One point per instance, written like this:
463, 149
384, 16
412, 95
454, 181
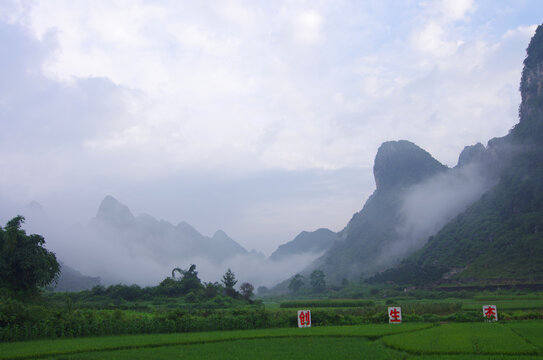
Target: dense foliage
317, 280
25, 264
296, 283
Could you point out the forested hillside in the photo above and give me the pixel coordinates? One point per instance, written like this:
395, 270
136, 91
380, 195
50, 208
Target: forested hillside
501, 235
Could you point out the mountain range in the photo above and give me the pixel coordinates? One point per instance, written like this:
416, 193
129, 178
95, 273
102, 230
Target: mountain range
481, 220
160, 239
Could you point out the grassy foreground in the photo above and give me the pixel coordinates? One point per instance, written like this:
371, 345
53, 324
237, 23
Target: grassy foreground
515, 340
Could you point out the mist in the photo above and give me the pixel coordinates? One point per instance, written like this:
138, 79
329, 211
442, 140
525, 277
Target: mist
428, 206
122, 256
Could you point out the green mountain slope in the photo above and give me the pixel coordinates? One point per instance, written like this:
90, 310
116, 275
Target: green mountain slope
501, 235
363, 245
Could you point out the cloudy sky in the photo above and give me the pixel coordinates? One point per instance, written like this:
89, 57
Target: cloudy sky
260, 118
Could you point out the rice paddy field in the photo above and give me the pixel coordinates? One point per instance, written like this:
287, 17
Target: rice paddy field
501, 340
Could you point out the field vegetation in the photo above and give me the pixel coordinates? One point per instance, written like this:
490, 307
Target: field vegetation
515, 340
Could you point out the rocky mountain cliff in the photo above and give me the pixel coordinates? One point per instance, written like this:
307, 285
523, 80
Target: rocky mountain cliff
500, 235
408, 185
399, 164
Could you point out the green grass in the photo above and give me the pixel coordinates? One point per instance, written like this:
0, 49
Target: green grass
529, 330
474, 357
278, 348
473, 338
450, 341
29, 349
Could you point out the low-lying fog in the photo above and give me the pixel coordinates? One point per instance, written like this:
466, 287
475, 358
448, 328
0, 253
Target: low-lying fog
121, 256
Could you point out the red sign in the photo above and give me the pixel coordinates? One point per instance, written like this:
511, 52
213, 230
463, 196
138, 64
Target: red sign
394, 315
304, 318
490, 312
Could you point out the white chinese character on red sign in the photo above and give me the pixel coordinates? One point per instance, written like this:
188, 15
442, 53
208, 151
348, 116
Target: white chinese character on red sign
490, 312
394, 315
304, 318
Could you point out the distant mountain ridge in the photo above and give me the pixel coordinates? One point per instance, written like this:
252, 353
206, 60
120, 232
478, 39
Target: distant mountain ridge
160, 239
306, 242
72, 280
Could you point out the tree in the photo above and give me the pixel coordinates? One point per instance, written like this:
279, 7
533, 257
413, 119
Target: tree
229, 280
246, 290
186, 282
317, 280
296, 283
262, 290
189, 280
25, 264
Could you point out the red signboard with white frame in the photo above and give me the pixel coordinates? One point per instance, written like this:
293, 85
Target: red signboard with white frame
490, 312
394, 315
304, 318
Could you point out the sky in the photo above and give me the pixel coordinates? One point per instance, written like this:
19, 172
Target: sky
260, 118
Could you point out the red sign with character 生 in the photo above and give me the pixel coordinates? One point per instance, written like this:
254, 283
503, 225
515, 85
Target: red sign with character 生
304, 318
394, 315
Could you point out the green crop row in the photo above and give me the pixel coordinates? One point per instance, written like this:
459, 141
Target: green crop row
513, 340
288, 348
42, 348
472, 338
325, 303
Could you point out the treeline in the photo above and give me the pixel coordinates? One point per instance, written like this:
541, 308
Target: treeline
183, 290
134, 297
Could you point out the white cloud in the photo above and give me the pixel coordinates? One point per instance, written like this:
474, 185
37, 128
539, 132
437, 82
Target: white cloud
308, 27
431, 39
212, 81
521, 32
456, 9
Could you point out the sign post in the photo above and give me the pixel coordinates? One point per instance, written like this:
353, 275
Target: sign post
304, 318
490, 312
394, 315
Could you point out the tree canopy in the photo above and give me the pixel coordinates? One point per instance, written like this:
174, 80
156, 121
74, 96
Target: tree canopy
229, 279
296, 283
317, 280
246, 289
186, 282
25, 264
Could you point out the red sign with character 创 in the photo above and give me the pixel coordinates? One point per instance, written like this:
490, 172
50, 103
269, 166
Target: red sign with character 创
394, 315
304, 318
